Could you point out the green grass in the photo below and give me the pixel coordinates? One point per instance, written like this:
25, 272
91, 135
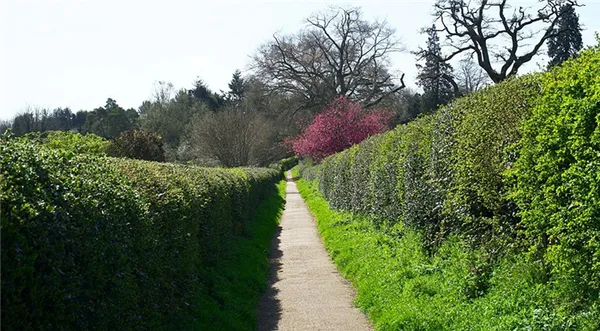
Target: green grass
401, 287
236, 283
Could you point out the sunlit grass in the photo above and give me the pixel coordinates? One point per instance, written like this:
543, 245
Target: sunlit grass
401, 287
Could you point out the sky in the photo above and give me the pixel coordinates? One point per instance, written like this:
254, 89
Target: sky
79, 53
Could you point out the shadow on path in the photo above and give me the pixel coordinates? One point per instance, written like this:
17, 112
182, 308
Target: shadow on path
269, 307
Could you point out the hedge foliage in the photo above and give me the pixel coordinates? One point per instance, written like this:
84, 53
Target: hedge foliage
443, 173
71, 141
137, 144
97, 243
514, 167
285, 164
403, 287
557, 176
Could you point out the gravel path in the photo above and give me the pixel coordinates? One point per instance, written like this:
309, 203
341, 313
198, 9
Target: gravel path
305, 290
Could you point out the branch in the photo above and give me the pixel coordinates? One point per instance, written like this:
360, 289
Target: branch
378, 100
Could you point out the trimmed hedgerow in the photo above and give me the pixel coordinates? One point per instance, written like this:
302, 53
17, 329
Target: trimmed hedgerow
441, 173
485, 126
285, 164
557, 176
512, 169
71, 141
97, 243
68, 223
306, 169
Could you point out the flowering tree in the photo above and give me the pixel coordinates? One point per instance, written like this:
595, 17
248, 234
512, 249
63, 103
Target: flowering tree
342, 124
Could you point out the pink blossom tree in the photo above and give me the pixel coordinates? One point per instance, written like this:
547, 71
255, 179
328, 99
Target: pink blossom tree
342, 124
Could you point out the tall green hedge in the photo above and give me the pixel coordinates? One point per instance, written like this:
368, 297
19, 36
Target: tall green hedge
71, 141
557, 176
285, 164
515, 166
97, 243
441, 173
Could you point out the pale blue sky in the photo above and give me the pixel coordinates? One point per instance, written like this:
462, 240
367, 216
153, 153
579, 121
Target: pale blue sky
79, 53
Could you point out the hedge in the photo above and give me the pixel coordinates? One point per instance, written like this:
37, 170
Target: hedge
93, 242
285, 164
448, 166
513, 167
137, 144
557, 176
88, 143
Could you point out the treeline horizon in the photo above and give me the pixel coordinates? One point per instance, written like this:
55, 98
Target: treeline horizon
295, 76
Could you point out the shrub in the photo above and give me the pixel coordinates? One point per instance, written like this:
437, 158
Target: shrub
383, 173
557, 174
485, 125
235, 136
96, 243
289, 163
71, 141
307, 169
419, 202
361, 192
285, 164
138, 144
342, 124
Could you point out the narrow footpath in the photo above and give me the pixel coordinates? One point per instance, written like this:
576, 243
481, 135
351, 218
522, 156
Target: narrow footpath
305, 290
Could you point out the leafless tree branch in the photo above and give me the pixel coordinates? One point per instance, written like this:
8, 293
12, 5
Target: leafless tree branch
474, 26
338, 53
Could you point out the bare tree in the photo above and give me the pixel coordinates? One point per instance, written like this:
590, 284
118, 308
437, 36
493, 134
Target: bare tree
470, 77
234, 136
338, 53
496, 34
163, 92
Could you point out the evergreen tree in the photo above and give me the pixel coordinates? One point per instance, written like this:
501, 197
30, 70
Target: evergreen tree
437, 90
567, 41
79, 120
201, 92
109, 121
236, 87
170, 118
61, 119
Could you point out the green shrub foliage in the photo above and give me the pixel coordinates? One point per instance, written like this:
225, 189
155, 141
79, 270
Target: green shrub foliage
558, 174
97, 243
511, 167
441, 173
285, 164
484, 127
71, 141
138, 144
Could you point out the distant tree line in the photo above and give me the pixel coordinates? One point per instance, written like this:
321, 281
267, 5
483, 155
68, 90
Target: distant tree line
337, 54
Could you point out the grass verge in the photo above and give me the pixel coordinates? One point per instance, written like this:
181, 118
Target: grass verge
401, 287
235, 284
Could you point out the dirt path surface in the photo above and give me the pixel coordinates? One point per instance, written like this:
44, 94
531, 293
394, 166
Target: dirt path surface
305, 290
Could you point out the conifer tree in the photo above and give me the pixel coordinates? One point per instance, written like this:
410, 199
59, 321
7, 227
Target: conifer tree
567, 41
434, 75
236, 87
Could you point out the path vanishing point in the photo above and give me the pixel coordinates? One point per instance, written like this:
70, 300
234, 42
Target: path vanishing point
305, 290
